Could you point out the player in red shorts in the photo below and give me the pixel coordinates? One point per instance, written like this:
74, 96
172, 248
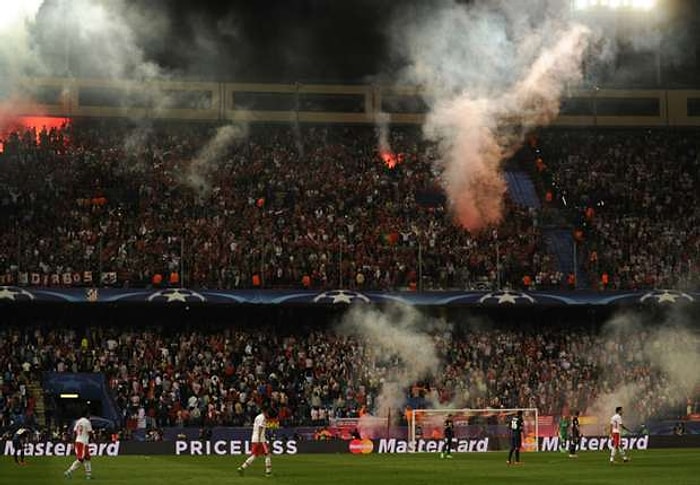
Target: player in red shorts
259, 444
616, 428
82, 430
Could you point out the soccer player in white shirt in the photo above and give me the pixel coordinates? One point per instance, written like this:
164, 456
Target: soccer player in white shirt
259, 444
616, 428
82, 430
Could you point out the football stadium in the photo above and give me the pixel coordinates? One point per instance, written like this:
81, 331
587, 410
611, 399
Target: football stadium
362, 241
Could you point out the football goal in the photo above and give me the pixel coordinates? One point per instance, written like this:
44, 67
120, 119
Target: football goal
428, 424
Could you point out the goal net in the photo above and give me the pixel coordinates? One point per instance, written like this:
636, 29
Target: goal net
471, 424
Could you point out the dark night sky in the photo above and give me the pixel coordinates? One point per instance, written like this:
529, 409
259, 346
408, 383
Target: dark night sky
306, 40
280, 40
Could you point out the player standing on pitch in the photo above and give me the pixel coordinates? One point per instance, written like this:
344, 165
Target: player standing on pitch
575, 436
517, 427
259, 443
82, 430
563, 433
19, 438
449, 434
616, 428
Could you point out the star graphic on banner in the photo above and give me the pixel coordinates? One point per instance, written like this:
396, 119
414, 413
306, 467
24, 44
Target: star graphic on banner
666, 296
10, 293
506, 296
340, 296
6, 294
176, 295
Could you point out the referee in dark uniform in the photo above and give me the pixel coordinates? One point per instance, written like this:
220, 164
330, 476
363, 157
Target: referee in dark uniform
449, 433
575, 437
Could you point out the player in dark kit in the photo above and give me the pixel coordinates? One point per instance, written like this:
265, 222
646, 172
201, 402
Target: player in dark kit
449, 433
516, 426
575, 436
19, 438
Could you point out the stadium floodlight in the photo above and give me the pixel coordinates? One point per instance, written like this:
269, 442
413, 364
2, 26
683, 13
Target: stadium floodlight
643, 5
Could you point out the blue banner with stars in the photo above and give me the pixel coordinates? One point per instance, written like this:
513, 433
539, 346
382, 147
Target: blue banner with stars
175, 296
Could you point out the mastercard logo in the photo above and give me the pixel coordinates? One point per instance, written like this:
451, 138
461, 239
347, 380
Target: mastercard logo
361, 447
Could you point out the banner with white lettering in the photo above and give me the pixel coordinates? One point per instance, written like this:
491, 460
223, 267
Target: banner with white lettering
229, 447
595, 443
49, 448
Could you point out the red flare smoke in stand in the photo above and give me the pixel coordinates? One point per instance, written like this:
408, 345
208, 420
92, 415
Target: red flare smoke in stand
21, 124
390, 159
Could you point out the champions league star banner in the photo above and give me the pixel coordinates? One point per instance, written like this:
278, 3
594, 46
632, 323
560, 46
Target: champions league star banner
501, 298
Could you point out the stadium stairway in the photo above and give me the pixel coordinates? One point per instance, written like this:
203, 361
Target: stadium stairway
560, 242
35, 389
521, 189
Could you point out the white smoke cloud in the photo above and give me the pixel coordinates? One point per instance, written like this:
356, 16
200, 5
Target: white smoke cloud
77, 38
15, 23
16, 56
668, 347
136, 147
382, 125
399, 339
98, 39
197, 176
490, 71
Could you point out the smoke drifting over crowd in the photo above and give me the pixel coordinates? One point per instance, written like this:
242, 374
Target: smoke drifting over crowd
646, 366
116, 39
68, 38
670, 350
210, 155
398, 338
490, 71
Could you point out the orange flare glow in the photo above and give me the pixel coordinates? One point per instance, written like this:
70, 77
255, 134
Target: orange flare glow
390, 159
23, 123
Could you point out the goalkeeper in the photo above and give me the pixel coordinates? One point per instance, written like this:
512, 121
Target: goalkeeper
449, 434
563, 433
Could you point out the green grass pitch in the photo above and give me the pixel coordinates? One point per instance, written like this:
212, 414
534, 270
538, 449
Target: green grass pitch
646, 467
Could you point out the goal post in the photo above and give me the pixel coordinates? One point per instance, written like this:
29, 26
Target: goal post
428, 424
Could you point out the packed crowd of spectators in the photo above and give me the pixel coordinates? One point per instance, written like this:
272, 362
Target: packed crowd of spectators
277, 208
635, 193
16, 372
315, 207
220, 375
